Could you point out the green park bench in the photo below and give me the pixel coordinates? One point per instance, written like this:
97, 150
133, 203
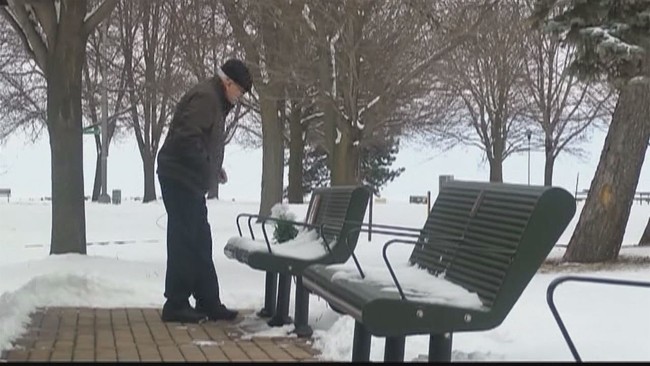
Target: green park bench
334, 218
480, 246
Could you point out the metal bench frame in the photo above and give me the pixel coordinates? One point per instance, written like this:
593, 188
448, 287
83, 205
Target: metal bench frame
550, 291
278, 284
440, 321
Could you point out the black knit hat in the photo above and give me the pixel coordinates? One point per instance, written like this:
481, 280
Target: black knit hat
238, 72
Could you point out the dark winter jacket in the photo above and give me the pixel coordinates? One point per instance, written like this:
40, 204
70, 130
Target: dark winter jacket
193, 149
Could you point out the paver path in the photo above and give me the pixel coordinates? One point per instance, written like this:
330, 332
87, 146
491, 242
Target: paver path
138, 334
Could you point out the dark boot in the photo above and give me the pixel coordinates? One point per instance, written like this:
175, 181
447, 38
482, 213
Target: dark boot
181, 313
217, 312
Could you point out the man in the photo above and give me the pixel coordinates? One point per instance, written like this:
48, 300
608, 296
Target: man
187, 167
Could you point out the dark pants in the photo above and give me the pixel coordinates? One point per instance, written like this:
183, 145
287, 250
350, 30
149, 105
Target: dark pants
190, 269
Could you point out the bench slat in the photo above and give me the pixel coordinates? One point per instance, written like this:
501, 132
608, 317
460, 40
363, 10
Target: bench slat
483, 218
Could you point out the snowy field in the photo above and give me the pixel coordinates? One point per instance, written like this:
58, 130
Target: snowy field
125, 267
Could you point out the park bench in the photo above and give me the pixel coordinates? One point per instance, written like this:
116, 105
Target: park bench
329, 235
480, 246
5, 192
550, 291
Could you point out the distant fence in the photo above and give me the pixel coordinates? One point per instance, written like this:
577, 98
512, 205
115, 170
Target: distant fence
639, 197
413, 199
5, 192
419, 199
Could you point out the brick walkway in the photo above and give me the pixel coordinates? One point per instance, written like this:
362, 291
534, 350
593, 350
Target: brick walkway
138, 334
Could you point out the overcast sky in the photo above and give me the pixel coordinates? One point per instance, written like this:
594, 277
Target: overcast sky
25, 168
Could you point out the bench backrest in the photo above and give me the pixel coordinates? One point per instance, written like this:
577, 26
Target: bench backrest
340, 209
491, 238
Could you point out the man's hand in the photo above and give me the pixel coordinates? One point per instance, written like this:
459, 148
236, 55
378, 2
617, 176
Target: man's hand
222, 177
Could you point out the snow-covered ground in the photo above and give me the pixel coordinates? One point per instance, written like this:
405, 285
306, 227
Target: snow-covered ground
125, 267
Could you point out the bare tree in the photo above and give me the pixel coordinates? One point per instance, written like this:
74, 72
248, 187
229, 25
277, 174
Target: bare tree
301, 113
149, 40
374, 61
485, 75
54, 34
22, 89
104, 82
562, 106
298, 107
206, 42
256, 25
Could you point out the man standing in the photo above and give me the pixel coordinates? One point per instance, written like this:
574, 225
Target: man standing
187, 167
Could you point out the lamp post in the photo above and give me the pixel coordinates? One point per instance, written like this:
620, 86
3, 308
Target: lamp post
103, 195
528, 134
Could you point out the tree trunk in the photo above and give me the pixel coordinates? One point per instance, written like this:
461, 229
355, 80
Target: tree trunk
549, 163
497, 149
496, 161
496, 170
296, 155
645, 238
599, 233
272, 153
149, 178
65, 60
345, 166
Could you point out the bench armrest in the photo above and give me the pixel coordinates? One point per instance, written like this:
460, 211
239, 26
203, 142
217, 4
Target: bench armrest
320, 229
354, 257
303, 224
390, 268
603, 281
266, 218
379, 229
361, 229
449, 242
250, 228
447, 239
391, 230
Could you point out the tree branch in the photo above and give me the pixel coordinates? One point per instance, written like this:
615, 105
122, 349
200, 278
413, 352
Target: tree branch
14, 24
237, 25
46, 15
100, 13
34, 42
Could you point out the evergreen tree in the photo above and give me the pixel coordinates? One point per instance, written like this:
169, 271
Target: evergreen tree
315, 174
612, 35
375, 168
612, 39
376, 162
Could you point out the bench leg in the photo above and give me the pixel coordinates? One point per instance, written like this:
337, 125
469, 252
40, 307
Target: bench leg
394, 349
440, 347
270, 288
281, 316
361, 343
303, 330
